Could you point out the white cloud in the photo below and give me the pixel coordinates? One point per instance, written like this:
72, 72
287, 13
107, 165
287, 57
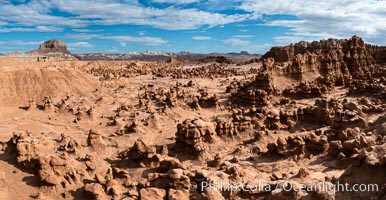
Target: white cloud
170, 18
324, 19
75, 45
243, 36
21, 43
311, 19
142, 40
243, 30
48, 29
112, 12
221, 4
257, 48
35, 13
87, 30
18, 45
33, 29
236, 42
201, 38
286, 40
82, 36
175, 1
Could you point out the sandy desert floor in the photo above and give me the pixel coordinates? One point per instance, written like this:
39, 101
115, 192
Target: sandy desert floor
155, 130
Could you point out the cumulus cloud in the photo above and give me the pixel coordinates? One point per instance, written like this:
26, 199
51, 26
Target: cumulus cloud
113, 12
21, 43
18, 45
221, 4
309, 20
175, 1
87, 30
201, 38
33, 29
324, 19
35, 13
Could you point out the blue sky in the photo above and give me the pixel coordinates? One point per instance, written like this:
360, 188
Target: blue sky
120, 26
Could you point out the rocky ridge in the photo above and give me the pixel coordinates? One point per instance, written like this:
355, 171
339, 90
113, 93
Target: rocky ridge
54, 47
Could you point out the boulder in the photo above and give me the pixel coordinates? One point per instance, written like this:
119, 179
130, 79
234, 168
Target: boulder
152, 193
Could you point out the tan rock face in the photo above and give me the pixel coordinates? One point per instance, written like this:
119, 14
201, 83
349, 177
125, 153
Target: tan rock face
95, 140
29, 149
96, 191
142, 154
152, 194
193, 134
255, 92
178, 194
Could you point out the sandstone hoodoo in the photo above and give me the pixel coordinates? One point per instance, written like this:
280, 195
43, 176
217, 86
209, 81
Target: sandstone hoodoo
272, 128
335, 61
313, 69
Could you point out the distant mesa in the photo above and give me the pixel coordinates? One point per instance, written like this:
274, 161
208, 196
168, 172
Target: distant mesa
244, 53
16, 54
218, 59
52, 47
